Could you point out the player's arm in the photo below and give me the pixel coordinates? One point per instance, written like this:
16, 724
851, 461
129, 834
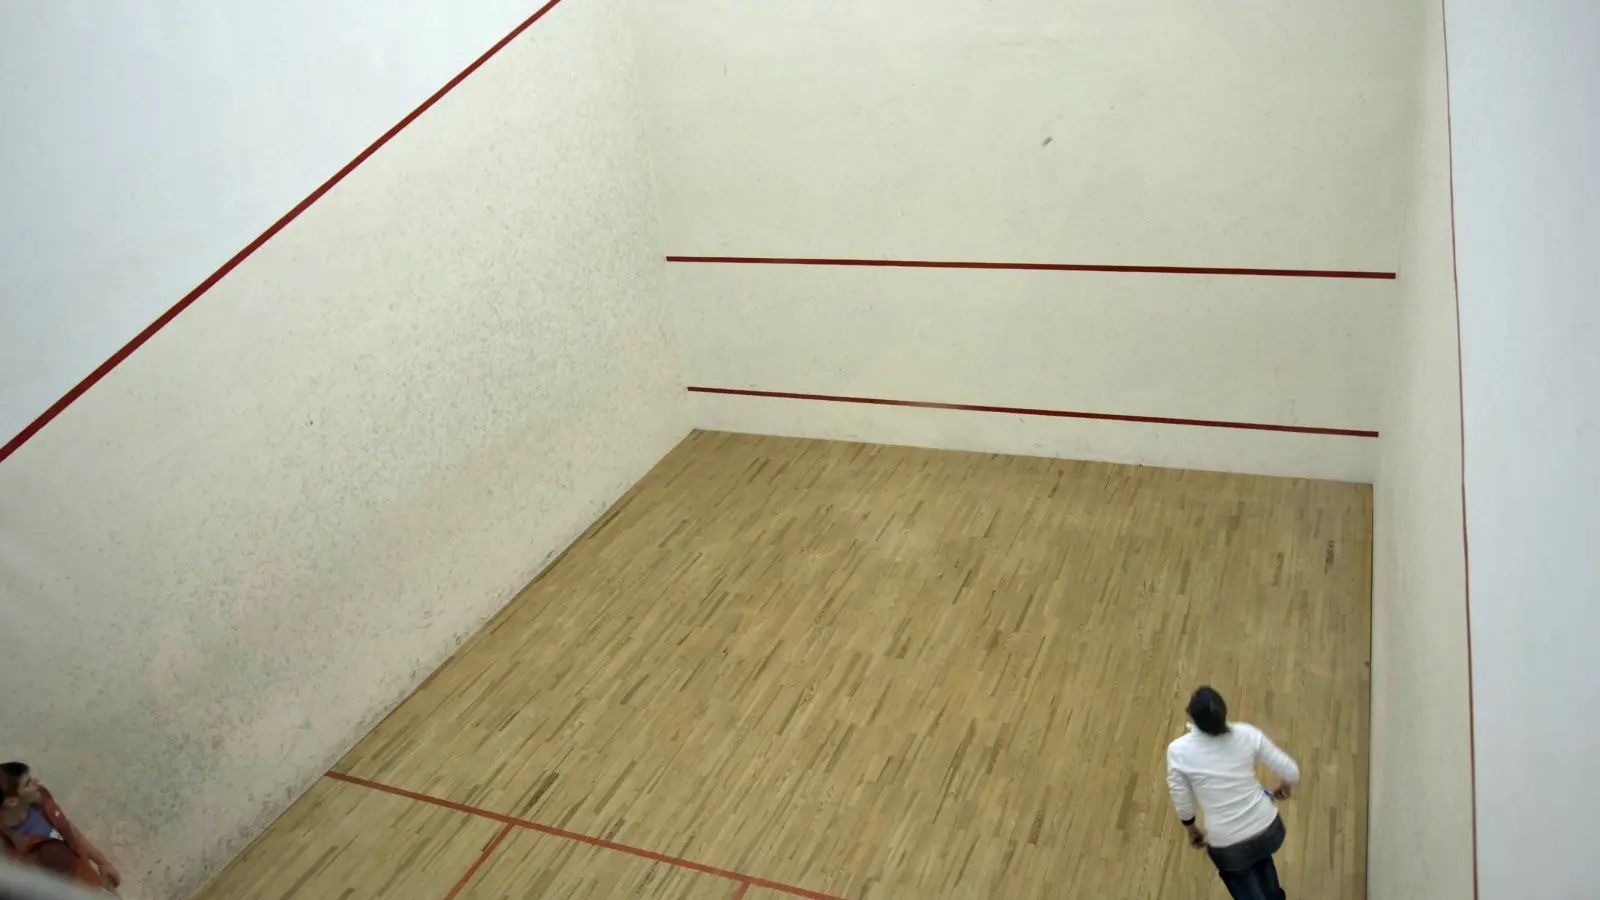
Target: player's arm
1280, 764
80, 843
1183, 801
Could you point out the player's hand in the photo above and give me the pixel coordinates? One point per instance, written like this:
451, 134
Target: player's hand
1283, 792
109, 876
1197, 838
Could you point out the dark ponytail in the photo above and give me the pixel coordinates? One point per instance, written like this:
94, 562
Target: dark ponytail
1209, 711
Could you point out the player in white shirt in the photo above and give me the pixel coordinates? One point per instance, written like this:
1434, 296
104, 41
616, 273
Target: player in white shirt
1214, 766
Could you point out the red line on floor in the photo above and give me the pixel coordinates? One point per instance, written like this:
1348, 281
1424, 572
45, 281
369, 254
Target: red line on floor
139, 340
739, 892
1024, 411
1461, 409
1031, 267
478, 863
584, 838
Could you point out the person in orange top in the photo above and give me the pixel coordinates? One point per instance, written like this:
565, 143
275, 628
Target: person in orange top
37, 832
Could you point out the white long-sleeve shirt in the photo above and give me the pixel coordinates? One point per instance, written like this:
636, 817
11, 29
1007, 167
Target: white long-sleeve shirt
1219, 773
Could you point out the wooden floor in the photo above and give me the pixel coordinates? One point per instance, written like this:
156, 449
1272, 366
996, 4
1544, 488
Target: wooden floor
786, 668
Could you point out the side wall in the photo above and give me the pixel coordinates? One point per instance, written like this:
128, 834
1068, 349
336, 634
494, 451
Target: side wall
1145, 134
234, 554
1524, 97
1420, 837
148, 142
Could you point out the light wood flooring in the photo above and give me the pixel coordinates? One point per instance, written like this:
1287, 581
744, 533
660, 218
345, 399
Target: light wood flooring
784, 668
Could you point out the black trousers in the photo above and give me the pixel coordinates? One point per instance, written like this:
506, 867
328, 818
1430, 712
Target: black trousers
1246, 867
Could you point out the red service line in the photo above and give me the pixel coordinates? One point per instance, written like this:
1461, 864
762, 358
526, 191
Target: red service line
478, 863
1049, 413
1031, 267
139, 340
746, 881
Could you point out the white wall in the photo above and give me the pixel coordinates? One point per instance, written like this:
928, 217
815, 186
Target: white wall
1151, 133
1420, 834
146, 143
1526, 110
226, 561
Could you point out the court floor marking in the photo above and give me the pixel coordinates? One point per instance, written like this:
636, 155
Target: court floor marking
744, 882
477, 864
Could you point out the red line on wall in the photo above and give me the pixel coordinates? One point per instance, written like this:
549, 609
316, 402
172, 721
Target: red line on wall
552, 831
478, 863
1030, 267
1025, 411
199, 291
1461, 400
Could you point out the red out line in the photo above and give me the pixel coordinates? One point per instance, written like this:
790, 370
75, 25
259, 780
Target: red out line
1049, 413
741, 890
478, 863
1031, 267
1461, 409
748, 880
139, 340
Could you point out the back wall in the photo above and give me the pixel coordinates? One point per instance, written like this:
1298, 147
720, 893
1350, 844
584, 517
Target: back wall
1056, 135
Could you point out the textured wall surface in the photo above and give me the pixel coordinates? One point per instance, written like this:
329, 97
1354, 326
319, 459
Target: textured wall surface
258, 534
1145, 133
1525, 104
1149, 131
148, 142
1420, 839
1078, 341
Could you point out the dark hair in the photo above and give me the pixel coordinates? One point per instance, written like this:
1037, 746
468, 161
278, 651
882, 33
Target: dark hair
11, 775
1209, 711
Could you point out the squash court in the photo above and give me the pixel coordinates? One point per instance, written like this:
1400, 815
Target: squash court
626, 450
793, 668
